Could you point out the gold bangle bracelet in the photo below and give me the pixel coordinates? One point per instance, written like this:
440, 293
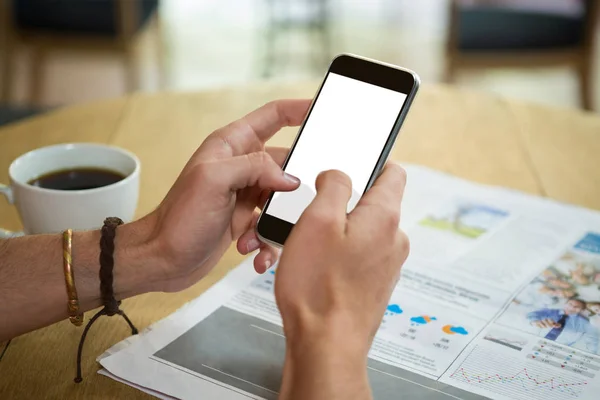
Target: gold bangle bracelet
75, 316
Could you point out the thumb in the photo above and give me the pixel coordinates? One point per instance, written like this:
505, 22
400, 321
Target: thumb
255, 169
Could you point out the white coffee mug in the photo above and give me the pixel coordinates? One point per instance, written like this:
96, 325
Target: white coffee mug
49, 210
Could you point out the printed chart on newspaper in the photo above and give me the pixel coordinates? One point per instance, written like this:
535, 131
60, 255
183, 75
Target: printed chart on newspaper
500, 299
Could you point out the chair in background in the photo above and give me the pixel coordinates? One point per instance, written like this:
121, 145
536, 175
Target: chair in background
98, 25
485, 34
8, 115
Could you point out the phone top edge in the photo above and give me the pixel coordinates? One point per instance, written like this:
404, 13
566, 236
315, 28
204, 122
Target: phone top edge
415, 76
378, 73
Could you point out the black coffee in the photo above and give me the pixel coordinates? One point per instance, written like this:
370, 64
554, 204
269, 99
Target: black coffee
77, 179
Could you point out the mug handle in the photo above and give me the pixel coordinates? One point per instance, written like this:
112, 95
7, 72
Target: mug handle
7, 192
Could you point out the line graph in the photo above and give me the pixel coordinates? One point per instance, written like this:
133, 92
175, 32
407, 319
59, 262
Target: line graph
521, 376
515, 378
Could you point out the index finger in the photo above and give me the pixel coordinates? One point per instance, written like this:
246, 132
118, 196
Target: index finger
250, 133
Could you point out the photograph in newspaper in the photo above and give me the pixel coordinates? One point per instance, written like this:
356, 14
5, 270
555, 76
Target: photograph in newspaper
468, 220
450, 229
562, 303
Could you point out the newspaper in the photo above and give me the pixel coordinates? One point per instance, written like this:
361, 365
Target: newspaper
500, 298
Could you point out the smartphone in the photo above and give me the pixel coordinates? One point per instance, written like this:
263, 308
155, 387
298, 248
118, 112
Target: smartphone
351, 126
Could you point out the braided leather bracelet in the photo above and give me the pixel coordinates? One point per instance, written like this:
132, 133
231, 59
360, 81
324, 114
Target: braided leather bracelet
111, 305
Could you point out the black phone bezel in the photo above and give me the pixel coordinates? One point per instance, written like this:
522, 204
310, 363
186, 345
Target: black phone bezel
276, 230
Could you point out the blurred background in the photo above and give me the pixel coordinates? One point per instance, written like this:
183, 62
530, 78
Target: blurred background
60, 52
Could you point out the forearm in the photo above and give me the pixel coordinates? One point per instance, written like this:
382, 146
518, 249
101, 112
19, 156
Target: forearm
325, 369
32, 282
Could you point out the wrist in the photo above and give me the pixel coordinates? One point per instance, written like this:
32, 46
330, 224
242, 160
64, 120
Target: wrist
326, 363
138, 264
329, 348
338, 329
135, 269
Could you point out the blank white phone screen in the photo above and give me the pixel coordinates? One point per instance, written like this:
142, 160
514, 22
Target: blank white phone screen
347, 130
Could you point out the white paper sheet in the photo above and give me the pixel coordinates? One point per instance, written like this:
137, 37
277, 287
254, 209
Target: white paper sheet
486, 263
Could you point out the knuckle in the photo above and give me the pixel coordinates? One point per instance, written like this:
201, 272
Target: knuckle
203, 172
259, 164
271, 104
220, 143
274, 107
321, 219
238, 124
258, 160
403, 243
393, 219
388, 217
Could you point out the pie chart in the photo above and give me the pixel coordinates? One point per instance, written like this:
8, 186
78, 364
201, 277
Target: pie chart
454, 330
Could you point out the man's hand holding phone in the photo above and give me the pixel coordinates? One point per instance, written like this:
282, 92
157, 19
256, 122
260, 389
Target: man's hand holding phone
333, 283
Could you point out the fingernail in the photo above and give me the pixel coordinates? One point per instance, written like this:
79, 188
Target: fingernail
253, 244
290, 178
267, 264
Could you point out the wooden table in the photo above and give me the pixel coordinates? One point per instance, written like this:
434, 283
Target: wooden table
548, 152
